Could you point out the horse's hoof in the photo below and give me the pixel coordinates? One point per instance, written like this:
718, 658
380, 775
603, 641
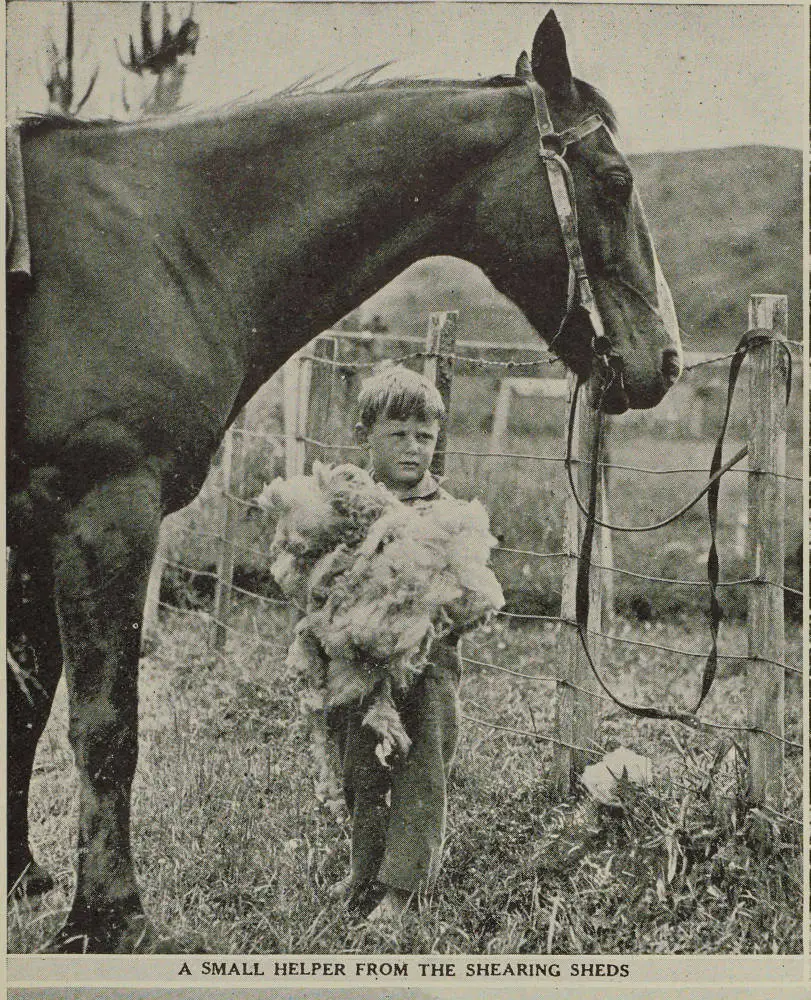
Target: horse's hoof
133, 936
34, 881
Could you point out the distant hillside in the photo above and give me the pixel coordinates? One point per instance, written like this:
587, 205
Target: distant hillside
727, 223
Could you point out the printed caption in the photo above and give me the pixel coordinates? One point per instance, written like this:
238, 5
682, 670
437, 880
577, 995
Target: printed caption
356, 969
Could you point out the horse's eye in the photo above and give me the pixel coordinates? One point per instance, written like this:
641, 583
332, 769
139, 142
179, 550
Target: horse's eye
617, 185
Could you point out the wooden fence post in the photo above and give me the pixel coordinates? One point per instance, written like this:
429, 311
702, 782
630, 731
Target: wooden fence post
153, 587
576, 709
233, 447
606, 539
441, 339
319, 408
501, 416
296, 377
767, 493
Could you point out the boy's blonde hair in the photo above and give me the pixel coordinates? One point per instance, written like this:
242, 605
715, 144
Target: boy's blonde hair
397, 393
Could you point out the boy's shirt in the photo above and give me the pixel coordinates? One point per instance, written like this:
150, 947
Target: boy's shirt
425, 492
445, 652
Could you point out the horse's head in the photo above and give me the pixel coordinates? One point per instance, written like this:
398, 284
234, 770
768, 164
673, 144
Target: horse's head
614, 320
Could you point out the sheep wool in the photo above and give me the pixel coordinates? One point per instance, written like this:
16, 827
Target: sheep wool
378, 582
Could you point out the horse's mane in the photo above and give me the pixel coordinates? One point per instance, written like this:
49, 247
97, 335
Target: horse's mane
37, 123
366, 81
51, 121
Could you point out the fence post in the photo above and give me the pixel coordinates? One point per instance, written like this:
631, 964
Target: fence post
441, 339
153, 587
767, 492
233, 446
606, 539
322, 380
296, 375
576, 709
501, 416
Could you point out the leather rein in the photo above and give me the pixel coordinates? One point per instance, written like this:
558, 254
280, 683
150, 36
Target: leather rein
552, 150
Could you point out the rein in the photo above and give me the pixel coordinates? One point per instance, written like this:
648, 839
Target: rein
552, 149
750, 339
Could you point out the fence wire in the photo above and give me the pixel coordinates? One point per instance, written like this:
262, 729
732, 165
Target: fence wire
250, 507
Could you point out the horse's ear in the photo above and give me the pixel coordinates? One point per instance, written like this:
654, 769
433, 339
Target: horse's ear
523, 69
550, 64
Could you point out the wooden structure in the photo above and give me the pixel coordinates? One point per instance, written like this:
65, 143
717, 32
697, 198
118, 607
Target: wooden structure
575, 704
440, 344
768, 374
233, 447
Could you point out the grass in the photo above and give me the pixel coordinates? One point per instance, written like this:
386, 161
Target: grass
233, 850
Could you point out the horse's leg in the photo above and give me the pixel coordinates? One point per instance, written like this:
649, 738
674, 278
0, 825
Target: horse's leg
102, 558
35, 662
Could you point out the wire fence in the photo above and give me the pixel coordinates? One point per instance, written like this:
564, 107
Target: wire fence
317, 391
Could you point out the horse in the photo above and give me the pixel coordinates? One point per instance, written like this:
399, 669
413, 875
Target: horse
176, 264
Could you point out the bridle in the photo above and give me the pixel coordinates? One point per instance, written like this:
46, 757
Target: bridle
552, 150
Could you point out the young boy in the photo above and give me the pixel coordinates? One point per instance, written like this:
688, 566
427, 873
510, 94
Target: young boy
398, 813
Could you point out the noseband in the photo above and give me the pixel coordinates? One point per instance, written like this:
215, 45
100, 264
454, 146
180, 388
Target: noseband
552, 150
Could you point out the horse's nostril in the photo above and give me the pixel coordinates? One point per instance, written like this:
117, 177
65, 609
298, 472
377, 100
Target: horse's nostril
671, 366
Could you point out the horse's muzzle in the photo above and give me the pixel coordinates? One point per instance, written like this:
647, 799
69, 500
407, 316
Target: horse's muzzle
609, 391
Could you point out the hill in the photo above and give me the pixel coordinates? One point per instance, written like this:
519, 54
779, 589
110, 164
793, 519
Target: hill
726, 222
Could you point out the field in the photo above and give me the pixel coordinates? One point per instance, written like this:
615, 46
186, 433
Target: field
234, 851
235, 854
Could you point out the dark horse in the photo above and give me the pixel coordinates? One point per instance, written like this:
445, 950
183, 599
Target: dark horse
176, 264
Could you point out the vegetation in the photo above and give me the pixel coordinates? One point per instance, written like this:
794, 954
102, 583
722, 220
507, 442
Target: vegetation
164, 60
726, 220
236, 855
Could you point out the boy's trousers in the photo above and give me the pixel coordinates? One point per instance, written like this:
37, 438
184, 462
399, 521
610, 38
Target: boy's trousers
400, 846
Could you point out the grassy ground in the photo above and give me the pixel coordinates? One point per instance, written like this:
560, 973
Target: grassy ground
233, 849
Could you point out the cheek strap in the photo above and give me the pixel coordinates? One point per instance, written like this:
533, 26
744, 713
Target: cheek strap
552, 149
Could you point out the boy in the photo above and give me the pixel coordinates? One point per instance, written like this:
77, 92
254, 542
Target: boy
396, 847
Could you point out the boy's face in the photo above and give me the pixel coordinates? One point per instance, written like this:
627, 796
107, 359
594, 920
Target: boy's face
400, 450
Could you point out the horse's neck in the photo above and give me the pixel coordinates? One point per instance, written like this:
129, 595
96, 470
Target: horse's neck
320, 201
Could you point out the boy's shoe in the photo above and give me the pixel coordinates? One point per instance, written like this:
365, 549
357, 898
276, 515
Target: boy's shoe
358, 896
341, 891
391, 907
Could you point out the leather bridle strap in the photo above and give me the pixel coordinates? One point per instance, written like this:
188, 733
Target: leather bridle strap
552, 149
750, 339
18, 249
